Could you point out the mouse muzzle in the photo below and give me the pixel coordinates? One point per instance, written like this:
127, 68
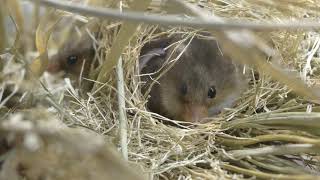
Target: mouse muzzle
194, 113
54, 67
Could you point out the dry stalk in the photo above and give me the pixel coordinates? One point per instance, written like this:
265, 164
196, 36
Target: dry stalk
123, 37
122, 110
173, 20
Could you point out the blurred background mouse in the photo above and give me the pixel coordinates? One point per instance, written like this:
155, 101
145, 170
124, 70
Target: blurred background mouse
200, 82
74, 58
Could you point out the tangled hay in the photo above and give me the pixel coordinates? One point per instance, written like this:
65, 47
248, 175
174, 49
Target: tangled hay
271, 133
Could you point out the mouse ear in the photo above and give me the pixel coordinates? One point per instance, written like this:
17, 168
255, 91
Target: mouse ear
144, 59
155, 48
163, 42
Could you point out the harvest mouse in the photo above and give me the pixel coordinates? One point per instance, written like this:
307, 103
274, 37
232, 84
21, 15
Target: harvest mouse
74, 57
200, 83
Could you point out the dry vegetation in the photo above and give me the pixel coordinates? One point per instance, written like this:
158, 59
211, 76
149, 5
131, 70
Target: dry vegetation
59, 131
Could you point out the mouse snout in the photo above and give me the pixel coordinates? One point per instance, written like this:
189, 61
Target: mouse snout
195, 113
54, 67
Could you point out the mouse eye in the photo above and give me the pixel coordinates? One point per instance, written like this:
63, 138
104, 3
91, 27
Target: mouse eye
184, 89
71, 60
212, 92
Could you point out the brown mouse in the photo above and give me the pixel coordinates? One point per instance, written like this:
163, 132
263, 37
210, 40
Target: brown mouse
201, 82
75, 57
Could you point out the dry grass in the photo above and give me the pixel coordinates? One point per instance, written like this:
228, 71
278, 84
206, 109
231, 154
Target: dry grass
270, 133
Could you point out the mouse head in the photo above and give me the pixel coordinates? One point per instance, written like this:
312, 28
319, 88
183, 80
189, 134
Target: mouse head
201, 78
74, 57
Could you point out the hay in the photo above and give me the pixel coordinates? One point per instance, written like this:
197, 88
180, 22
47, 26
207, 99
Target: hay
270, 133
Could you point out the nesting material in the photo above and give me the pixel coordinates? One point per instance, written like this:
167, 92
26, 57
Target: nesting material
271, 132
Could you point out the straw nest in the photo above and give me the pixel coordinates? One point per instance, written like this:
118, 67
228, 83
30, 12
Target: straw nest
59, 131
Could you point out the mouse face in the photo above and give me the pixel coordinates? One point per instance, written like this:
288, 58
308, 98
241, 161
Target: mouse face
200, 79
73, 58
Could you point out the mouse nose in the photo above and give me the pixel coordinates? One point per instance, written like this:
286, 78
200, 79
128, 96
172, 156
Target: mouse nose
195, 113
54, 65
